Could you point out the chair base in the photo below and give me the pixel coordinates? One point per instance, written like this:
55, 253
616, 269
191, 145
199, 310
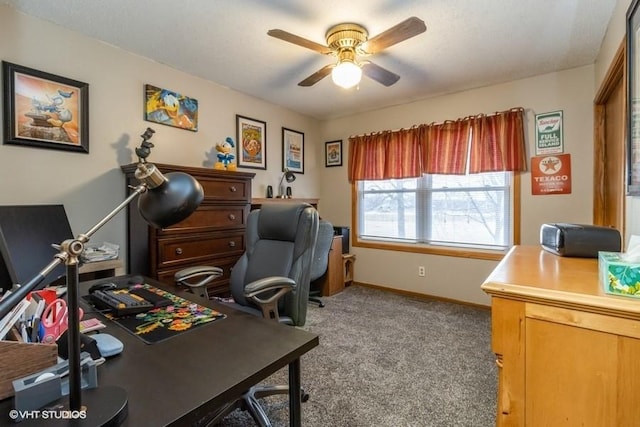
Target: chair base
249, 402
317, 301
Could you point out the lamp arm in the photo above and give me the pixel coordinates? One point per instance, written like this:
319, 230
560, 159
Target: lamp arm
185, 196
69, 252
21, 291
142, 188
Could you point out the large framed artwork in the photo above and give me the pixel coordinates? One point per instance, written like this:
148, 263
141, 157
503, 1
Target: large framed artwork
251, 137
292, 150
170, 108
44, 110
633, 100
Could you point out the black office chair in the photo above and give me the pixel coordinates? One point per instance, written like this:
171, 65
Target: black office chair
270, 279
320, 260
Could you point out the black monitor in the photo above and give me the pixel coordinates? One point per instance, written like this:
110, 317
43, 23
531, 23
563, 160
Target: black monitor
26, 235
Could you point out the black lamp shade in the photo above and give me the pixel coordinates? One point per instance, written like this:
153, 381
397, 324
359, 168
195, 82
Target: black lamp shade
172, 201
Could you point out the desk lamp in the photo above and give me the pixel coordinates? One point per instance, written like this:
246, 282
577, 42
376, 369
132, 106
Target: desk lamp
164, 200
289, 177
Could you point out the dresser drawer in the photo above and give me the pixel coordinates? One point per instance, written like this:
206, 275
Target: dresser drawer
195, 248
218, 190
211, 218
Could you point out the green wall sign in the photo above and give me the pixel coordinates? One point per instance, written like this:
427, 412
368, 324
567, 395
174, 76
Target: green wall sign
549, 129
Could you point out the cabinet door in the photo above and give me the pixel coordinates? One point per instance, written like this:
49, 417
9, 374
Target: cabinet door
580, 377
507, 326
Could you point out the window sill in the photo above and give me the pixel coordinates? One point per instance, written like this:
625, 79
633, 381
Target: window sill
496, 255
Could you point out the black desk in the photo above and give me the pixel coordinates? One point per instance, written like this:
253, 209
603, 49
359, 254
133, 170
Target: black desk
180, 380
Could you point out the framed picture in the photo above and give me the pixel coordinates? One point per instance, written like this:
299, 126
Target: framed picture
44, 110
333, 153
170, 108
292, 150
251, 137
633, 100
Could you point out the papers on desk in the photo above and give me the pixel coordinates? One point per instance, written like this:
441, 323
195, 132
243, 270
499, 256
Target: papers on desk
100, 252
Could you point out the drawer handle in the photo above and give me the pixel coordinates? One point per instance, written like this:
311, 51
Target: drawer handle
232, 217
233, 189
232, 244
178, 251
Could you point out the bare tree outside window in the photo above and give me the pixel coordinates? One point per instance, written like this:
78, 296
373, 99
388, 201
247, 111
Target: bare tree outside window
439, 209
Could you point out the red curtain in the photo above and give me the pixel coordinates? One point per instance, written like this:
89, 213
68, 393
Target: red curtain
444, 147
385, 155
497, 142
492, 143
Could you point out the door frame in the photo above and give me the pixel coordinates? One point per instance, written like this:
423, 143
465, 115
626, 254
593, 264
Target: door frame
615, 73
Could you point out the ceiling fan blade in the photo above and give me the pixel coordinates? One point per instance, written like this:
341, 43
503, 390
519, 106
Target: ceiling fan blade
300, 41
406, 29
379, 74
317, 76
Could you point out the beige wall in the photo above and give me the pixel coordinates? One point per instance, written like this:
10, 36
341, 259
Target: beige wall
570, 91
90, 186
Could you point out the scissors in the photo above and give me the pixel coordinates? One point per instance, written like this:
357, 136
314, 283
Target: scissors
55, 320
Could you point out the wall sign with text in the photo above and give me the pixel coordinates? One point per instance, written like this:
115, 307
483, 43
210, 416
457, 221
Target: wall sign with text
551, 174
549, 133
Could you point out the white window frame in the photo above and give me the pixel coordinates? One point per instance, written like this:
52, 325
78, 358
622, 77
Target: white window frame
424, 245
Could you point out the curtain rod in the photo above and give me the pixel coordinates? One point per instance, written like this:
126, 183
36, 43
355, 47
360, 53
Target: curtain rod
434, 123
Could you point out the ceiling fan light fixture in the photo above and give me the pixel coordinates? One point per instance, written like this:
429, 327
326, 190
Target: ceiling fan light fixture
347, 41
346, 74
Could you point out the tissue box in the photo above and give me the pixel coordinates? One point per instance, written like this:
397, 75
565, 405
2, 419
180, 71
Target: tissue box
618, 276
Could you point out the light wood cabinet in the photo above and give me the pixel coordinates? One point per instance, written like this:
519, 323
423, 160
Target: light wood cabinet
212, 235
567, 353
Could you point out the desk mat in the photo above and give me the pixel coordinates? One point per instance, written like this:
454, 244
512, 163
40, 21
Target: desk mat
163, 323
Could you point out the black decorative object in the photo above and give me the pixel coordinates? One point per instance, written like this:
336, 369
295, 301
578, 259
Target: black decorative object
163, 201
289, 177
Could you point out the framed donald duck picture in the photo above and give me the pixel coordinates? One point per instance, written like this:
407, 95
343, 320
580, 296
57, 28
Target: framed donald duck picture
170, 108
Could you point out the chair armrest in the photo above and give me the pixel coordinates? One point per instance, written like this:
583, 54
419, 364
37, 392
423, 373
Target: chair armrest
202, 273
268, 284
278, 285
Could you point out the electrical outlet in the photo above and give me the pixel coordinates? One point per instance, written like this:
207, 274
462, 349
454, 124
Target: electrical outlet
421, 271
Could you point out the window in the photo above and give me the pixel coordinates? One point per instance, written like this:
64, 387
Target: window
449, 211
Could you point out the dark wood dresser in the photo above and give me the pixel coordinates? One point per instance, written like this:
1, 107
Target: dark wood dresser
212, 235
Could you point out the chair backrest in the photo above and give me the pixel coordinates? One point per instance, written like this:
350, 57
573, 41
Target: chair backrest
280, 241
323, 246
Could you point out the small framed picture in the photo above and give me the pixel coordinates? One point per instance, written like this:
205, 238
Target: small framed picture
251, 142
292, 150
333, 153
44, 110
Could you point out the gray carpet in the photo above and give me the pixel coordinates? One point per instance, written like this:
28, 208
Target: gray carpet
391, 360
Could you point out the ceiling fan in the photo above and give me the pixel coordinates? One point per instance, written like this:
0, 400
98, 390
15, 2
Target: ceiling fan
348, 42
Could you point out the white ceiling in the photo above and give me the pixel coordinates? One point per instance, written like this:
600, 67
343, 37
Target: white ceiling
468, 43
